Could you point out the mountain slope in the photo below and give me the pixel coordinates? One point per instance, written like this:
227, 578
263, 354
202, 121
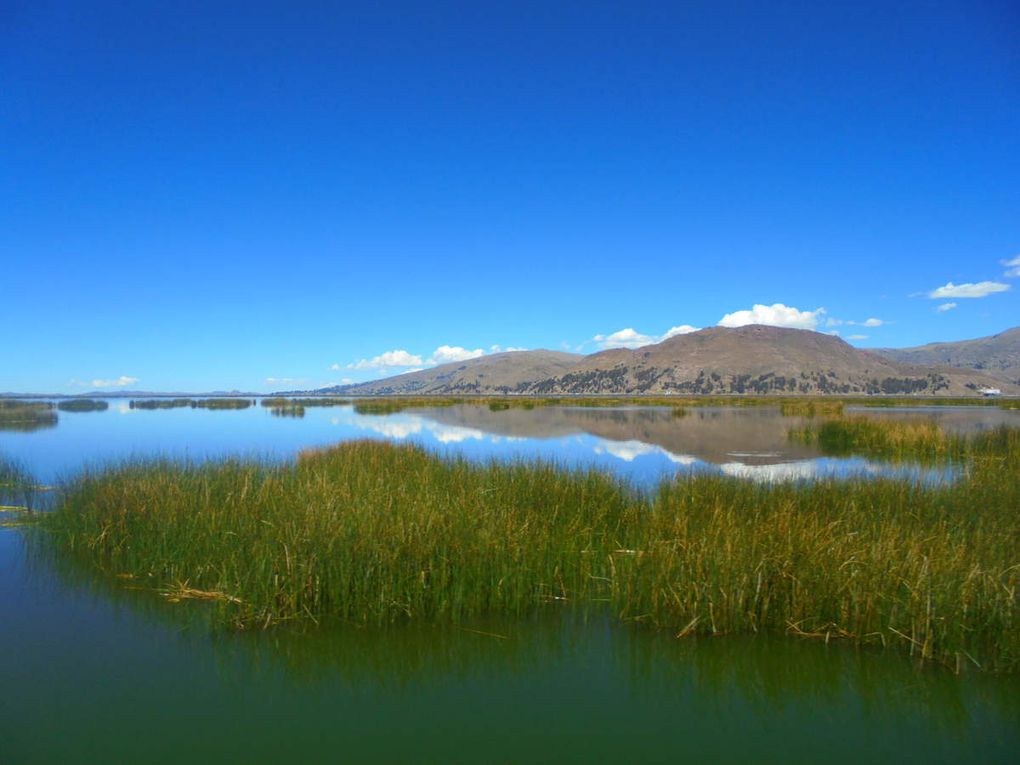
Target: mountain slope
498, 373
997, 355
755, 360
745, 360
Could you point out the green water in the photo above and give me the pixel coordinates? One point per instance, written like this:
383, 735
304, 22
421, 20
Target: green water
92, 674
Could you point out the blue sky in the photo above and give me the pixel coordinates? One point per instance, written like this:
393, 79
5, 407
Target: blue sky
263, 196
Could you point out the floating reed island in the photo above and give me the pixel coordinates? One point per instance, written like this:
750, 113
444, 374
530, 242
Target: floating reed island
82, 405
372, 532
193, 403
26, 416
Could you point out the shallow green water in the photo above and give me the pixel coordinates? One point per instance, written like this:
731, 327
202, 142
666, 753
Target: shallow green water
98, 676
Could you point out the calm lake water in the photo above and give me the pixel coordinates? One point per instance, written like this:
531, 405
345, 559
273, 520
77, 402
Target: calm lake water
92, 674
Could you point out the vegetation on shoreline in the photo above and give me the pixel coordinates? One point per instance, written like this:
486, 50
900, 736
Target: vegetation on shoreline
375, 533
793, 406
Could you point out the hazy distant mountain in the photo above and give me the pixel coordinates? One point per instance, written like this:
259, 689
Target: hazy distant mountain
745, 360
499, 373
997, 355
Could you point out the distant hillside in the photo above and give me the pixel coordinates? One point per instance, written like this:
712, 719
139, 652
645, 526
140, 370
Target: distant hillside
997, 355
755, 360
746, 360
500, 373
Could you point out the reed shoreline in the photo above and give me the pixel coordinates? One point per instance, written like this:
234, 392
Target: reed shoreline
371, 532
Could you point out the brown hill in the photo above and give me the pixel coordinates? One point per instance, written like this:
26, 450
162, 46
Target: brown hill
745, 360
997, 355
499, 373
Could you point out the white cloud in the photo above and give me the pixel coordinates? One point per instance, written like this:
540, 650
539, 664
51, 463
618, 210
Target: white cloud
1012, 267
967, 290
946, 307
783, 471
395, 358
120, 382
631, 338
624, 338
856, 337
454, 434
775, 315
683, 329
630, 450
445, 354
830, 322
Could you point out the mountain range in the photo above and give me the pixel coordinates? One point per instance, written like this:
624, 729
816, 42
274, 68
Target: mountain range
996, 355
752, 359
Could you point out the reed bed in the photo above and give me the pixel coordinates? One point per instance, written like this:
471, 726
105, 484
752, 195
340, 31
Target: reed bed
193, 403
811, 408
160, 403
284, 401
82, 405
221, 403
920, 440
291, 410
794, 406
376, 533
19, 491
26, 416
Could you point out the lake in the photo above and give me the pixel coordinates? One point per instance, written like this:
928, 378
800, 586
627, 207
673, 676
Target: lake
96, 674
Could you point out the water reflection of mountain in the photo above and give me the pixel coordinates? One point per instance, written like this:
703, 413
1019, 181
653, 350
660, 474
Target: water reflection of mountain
751, 436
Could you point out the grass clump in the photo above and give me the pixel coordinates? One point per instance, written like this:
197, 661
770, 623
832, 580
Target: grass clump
82, 405
374, 533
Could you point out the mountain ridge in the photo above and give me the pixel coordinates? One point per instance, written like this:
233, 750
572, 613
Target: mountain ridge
997, 355
754, 359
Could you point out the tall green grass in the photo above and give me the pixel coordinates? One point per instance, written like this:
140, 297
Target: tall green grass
375, 533
921, 440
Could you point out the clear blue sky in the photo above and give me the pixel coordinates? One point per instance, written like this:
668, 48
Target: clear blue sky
243, 195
